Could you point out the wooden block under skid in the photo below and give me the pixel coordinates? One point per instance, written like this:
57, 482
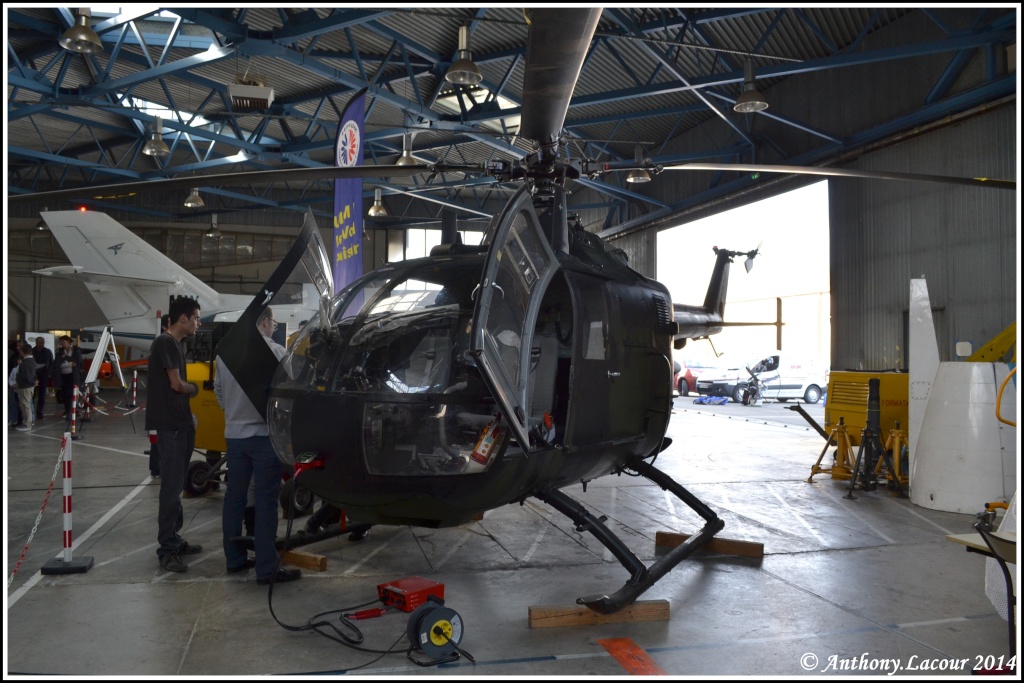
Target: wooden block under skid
725, 546
549, 616
317, 563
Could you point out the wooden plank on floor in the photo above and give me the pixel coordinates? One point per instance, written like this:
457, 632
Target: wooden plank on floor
631, 657
725, 546
298, 558
550, 616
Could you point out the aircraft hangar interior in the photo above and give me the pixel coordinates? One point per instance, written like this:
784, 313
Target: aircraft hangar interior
497, 455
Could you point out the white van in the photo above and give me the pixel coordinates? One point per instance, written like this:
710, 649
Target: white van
783, 376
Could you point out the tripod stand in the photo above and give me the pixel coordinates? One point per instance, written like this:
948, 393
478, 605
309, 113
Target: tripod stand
871, 450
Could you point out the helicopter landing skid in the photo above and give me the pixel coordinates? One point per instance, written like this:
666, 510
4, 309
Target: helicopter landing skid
642, 577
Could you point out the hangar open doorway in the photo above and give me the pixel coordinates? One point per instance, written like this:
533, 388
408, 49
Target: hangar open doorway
793, 265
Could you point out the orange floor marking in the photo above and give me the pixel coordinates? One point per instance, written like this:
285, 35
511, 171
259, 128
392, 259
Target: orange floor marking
631, 657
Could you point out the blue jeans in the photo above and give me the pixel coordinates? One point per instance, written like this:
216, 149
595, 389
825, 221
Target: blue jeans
175, 452
252, 458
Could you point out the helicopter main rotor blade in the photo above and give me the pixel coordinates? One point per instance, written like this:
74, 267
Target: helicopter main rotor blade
234, 179
846, 172
556, 46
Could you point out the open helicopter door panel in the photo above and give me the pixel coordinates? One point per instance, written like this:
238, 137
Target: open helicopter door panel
520, 264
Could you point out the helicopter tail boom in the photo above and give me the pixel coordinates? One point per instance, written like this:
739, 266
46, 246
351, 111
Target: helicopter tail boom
697, 322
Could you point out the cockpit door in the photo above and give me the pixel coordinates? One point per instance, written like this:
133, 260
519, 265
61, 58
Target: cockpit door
519, 266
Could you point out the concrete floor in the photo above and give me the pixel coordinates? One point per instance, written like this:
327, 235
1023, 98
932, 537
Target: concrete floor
859, 581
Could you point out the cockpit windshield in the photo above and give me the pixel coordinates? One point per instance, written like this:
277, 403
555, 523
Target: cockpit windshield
382, 328
395, 342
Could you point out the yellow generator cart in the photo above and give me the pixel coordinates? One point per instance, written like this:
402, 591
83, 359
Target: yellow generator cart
848, 399
204, 476
208, 413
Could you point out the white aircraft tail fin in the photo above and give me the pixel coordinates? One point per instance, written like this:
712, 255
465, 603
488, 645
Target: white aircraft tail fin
126, 276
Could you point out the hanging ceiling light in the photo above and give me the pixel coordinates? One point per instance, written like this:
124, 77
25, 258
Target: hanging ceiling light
41, 225
378, 209
750, 101
463, 71
155, 146
638, 175
81, 37
212, 232
407, 159
194, 200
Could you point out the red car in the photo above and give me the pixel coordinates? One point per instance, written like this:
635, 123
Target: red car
684, 379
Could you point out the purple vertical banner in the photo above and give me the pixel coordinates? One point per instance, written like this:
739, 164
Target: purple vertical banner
348, 195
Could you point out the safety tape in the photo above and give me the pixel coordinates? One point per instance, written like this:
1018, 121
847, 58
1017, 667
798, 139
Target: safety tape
126, 413
39, 517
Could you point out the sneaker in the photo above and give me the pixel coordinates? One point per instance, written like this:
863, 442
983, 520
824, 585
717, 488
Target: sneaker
282, 576
23, 428
173, 563
187, 548
247, 565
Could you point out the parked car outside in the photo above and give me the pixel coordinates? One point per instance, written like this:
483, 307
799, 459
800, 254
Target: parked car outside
783, 376
729, 382
686, 373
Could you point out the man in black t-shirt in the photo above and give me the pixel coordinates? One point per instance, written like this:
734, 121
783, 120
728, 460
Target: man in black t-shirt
168, 412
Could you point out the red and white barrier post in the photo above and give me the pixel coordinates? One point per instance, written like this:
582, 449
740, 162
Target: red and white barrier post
65, 564
135, 388
87, 415
74, 412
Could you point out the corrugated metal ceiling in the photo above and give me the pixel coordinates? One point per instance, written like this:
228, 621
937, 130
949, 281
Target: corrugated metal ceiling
652, 76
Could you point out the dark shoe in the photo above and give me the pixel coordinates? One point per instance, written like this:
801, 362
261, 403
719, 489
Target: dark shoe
155, 475
173, 563
249, 564
187, 548
282, 576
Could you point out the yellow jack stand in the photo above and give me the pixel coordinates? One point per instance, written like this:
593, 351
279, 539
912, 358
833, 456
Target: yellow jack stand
844, 461
895, 444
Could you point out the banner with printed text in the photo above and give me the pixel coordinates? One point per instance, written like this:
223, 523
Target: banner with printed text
348, 195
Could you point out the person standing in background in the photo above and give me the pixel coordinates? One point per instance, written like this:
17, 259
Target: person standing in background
26, 381
68, 366
13, 409
44, 359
